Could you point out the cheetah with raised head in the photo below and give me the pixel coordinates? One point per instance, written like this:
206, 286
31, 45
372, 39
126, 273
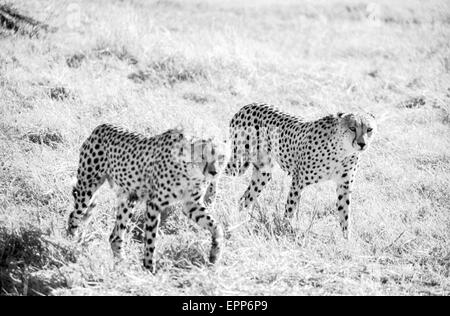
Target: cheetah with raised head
309, 151
159, 171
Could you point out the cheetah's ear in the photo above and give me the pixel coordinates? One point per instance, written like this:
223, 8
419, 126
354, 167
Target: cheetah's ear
340, 114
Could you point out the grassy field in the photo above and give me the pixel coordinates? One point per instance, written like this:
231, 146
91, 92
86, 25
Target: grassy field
153, 65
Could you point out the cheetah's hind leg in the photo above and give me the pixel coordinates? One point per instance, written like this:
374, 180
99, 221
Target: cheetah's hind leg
262, 175
124, 212
84, 194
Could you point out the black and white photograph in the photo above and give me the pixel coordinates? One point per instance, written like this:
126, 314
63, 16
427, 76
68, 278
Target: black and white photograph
224, 154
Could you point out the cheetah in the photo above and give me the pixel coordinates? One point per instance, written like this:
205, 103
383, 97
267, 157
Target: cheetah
160, 171
309, 151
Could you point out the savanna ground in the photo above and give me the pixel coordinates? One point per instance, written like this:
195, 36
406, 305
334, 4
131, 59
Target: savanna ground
153, 65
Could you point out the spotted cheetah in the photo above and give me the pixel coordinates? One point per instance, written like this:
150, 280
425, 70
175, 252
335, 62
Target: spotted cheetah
309, 151
159, 171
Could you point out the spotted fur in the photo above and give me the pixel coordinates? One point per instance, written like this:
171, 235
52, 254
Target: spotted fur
160, 171
309, 151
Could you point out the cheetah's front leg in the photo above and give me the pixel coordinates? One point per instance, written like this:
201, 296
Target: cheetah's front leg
343, 207
152, 221
344, 183
197, 212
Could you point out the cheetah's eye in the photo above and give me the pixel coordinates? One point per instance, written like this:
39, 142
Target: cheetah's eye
353, 129
369, 130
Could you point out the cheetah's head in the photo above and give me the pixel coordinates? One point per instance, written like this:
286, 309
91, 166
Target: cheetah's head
358, 130
208, 157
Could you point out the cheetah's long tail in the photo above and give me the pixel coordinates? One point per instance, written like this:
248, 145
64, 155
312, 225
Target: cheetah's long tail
239, 158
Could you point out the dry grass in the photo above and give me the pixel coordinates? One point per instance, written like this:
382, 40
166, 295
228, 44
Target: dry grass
152, 65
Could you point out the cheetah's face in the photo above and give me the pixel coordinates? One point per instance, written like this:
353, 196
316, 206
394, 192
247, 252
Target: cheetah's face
358, 130
208, 158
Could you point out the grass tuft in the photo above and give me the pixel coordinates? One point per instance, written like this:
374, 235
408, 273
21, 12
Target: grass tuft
12, 21
29, 261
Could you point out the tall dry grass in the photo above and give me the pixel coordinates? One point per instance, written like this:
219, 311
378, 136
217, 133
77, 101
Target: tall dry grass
153, 65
